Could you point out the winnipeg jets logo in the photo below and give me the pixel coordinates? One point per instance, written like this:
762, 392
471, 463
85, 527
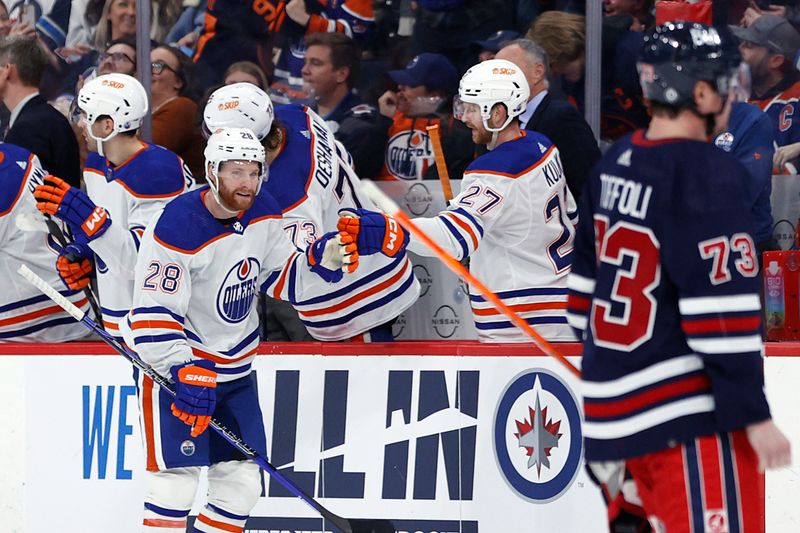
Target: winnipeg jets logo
537, 436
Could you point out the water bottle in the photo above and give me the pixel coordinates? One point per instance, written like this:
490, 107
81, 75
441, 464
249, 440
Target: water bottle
774, 295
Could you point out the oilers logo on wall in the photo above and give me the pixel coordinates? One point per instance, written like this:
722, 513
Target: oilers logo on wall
537, 436
235, 297
409, 154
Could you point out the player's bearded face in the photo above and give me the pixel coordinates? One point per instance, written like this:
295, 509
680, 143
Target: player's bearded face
238, 183
470, 115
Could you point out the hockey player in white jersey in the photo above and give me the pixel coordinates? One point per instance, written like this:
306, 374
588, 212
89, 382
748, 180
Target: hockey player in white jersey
200, 266
127, 182
25, 315
311, 178
514, 216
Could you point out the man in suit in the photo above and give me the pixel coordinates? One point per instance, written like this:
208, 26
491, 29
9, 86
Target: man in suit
35, 124
556, 119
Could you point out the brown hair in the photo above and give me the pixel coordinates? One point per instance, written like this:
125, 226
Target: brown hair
27, 56
344, 53
248, 67
561, 34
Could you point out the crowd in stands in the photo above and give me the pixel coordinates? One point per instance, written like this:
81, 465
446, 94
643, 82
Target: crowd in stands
379, 72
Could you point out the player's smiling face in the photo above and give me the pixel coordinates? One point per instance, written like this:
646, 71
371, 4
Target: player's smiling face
471, 117
238, 183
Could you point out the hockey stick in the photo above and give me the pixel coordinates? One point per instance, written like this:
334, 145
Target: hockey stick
343, 524
441, 164
391, 208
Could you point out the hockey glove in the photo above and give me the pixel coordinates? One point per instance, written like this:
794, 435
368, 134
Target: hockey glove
373, 232
75, 266
332, 254
70, 204
195, 394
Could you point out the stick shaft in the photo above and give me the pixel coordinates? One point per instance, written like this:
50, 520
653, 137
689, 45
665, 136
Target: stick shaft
441, 164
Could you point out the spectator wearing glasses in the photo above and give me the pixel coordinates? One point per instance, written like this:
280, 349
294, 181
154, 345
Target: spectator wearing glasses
174, 109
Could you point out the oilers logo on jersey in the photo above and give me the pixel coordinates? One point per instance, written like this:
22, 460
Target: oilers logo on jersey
537, 435
235, 296
409, 154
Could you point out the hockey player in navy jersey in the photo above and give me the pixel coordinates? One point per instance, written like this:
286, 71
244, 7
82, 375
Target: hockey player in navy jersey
514, 216
311, 179
127, 182
664, 288
24, 315
200, 266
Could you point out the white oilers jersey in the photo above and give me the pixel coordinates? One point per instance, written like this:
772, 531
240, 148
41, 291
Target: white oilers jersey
195, 290
27, 315
311, 182
132, 193
515, 220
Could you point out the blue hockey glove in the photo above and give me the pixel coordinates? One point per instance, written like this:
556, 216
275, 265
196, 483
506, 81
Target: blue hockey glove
331, 255
195, 394
70, 204
373, 232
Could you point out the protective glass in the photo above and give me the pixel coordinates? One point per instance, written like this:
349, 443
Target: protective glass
739, 84
463, 110
421, 106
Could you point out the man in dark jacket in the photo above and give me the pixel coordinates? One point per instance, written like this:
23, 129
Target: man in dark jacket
556, 119
330, 74
35, 124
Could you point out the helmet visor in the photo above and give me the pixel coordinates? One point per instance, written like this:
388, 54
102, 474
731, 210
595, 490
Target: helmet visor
464, 111
76, 115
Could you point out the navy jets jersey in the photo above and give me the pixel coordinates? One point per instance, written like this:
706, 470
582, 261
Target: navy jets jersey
25, 313
664, 286
515, 219
131, 193
194, 290
311, 181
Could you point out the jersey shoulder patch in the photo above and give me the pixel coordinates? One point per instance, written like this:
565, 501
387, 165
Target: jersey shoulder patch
154, 172
513, 158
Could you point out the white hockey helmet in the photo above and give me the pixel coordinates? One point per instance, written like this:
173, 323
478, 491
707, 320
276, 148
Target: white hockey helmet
496, 81
232, 144
239, 105
119, 96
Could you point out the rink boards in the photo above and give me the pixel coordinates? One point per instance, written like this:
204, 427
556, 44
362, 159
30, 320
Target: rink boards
437, 437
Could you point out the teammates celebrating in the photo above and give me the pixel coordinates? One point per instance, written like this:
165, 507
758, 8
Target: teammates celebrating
663, 291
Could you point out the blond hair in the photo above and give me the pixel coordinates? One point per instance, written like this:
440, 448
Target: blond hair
562, 35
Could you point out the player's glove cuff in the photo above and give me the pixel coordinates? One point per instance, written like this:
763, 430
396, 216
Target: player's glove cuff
195, 393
